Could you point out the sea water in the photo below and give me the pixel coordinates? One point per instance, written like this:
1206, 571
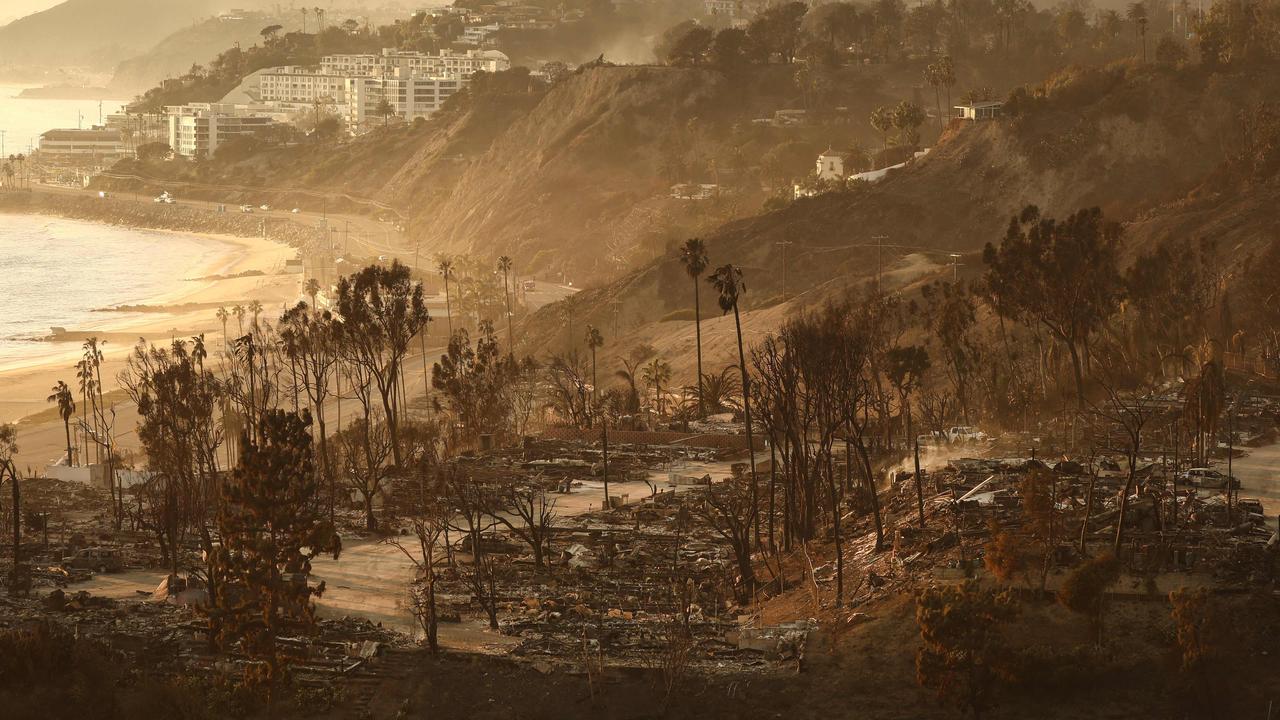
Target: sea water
69, 274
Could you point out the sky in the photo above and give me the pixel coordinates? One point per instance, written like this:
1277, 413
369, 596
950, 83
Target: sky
14, 9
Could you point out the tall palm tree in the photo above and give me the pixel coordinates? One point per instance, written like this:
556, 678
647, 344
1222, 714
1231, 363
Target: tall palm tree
445, 266
255, 308
66, 410
504, 265
657, 373
312, 288
594, 340
727, 280
222, 316
694, 257
1137, 14
882, 121
304, 20
238, 311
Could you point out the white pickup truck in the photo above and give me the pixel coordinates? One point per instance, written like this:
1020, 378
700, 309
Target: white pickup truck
965, 434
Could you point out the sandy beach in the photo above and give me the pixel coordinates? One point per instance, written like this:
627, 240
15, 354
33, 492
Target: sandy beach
243, 269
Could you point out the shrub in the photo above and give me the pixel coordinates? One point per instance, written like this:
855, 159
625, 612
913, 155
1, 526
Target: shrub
1085, 590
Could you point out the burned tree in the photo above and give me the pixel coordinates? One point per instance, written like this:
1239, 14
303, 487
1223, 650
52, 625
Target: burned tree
310, 340
528, 502
476, 381
429, 519
1062, 276
382, 311
271, 526
965, 656
472, 504
728, 509
177, 399
366, 448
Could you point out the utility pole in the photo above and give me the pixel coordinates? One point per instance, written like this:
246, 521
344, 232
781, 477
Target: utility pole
955, 268
879, 239
784, 244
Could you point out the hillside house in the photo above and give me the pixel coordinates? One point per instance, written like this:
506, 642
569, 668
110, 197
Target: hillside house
984, 110
830, 165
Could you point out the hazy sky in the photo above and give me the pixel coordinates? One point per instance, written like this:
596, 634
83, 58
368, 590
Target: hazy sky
13, 9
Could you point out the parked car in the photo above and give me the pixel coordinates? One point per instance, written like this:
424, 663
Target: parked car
965, 433
1208, 478
264, 208
97, 559
246, 208
164, 198
295, 211
530, 285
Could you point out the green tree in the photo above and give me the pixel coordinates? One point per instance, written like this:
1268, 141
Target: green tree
694, 258
882, 121
776, 30
907, 118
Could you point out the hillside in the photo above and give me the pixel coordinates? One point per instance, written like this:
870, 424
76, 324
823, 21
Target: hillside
98, 33
193, 44
1148, 145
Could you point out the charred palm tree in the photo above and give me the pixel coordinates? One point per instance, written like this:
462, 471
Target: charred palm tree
694, 258
727, 280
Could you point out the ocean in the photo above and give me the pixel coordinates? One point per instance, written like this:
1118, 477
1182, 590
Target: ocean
22, 121
63, 273
57, 273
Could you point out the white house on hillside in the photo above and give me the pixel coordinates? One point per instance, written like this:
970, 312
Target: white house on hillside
830, 165
985, 110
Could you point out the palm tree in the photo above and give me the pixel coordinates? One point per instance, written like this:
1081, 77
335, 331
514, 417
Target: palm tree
446, 271
594, 340
312, 288
66, 410
629, 375
304, 20
504, 265
1137, 14
255, 307
882, 121
727, 280
238, 311
223, 315
655, 374
947, 76
933, 76
694, 257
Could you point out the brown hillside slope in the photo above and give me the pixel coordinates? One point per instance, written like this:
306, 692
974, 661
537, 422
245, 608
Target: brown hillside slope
563, 178
1133, 140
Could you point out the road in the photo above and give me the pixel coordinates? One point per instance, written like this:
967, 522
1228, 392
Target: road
1259, 476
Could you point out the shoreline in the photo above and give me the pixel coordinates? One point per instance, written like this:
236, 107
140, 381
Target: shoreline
243, 269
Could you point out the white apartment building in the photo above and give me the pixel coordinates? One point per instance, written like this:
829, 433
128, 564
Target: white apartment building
411, 96
198, 129
297, 85
445, 62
